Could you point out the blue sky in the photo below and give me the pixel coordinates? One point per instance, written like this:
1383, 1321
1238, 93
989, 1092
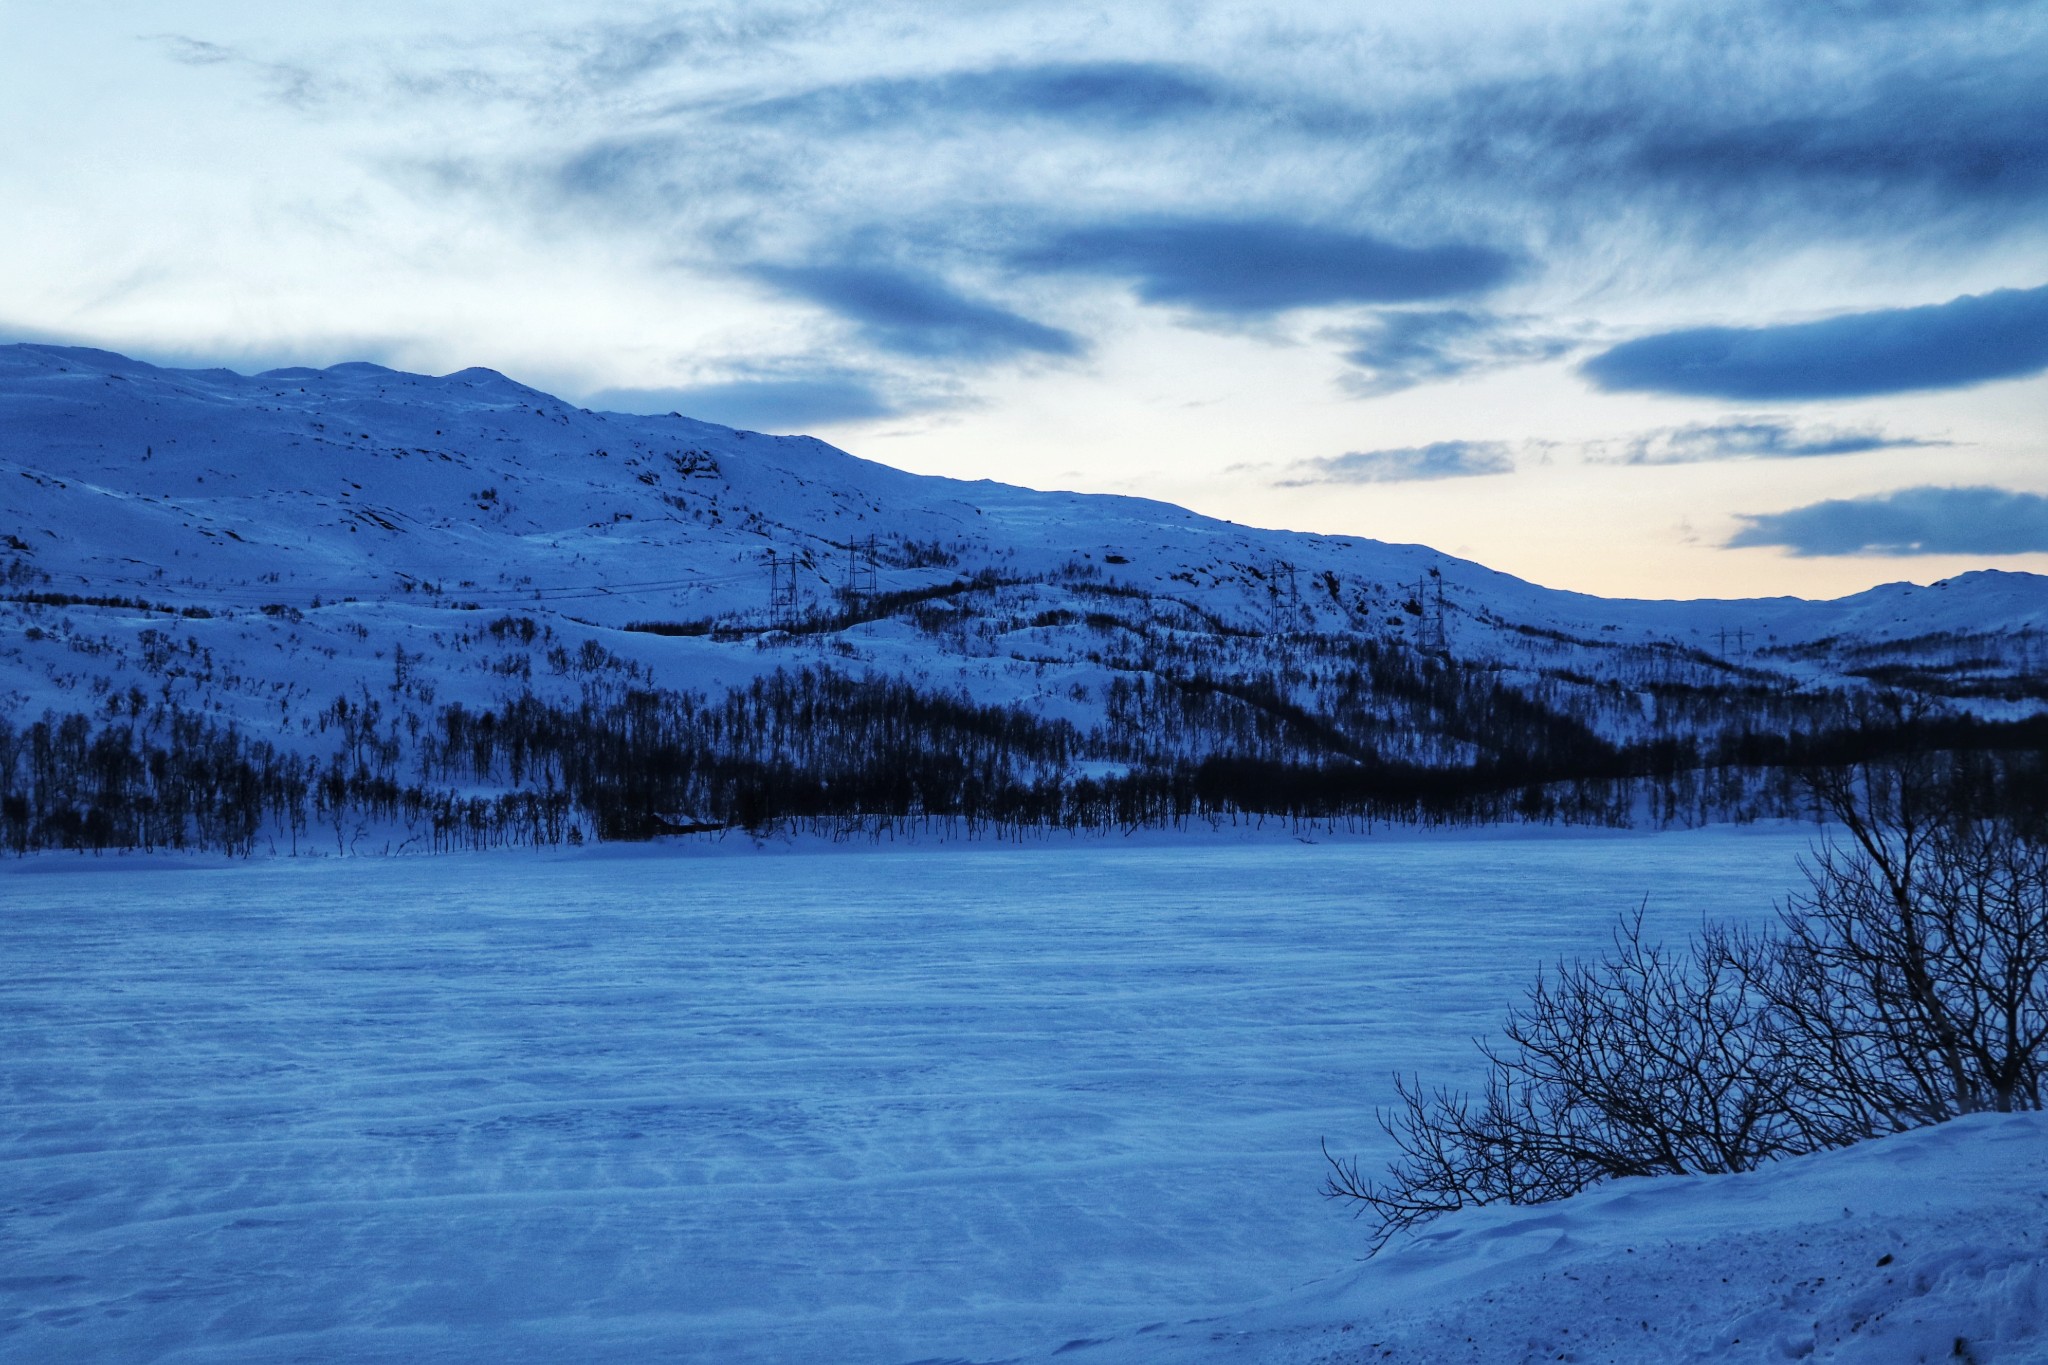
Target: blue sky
1634, 298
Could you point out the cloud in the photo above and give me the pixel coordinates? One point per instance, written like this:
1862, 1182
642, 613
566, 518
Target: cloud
1254, 266
768, 402
196, 51
1398, 350
609, 54
1110, 93
1969, 340
1683, 129
1912, 521
618, 170
915, 315
1226, 163
1755, 438
1717, 128
1406, 464
293, 84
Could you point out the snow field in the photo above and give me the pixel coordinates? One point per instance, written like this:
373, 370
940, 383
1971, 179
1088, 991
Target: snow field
878, 1106
1929, 1246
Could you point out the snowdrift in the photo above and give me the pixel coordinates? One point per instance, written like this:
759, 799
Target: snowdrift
1930, 1245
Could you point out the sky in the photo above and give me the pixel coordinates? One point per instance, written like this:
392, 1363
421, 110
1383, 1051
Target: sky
1638, 299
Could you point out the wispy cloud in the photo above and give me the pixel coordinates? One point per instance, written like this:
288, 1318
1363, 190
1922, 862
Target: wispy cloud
196, 51
1912, 521
1753, 438
1400, 349
1688, 131
1969, 340
295, 84
610, 54
1113, 94
1405, 464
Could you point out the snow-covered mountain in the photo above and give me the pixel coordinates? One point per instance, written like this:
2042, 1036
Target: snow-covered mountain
252, 548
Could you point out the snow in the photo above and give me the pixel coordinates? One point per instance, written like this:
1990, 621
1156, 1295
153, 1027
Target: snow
424, 500
948, 1102
960, 1102
1926, 1246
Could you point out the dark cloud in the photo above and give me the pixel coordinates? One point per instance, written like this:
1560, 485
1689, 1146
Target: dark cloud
1115, 94
1911, 521
1860, 119
1961, 134
1224, 166
1745, 122
1248, 267
916, 315
775, 403
1756, 438
1400, 349
1703, 130
1969, 340
1407, 464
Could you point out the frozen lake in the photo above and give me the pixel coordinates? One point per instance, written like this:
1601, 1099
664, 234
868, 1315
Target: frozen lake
876, 1106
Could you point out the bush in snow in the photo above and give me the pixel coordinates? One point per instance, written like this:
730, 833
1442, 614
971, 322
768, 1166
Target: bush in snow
1908, 984
1914, 971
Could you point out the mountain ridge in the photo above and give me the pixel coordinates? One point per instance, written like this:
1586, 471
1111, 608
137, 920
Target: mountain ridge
359, 532
84, 362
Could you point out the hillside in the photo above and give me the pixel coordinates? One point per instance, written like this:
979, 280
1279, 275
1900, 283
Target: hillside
355, 569
1924, 1246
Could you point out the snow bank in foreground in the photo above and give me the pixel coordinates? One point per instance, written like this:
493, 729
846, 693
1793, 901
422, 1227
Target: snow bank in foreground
1928, 1246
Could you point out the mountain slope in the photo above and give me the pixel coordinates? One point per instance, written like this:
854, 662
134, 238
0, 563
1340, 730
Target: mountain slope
253, 549
475, 478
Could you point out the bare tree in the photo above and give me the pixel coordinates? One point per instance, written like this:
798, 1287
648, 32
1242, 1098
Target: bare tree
1917, 960
1645, 1061
1908, 984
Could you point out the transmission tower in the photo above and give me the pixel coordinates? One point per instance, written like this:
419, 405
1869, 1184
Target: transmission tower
860, 570
782, 591
1430, 635
1286, 591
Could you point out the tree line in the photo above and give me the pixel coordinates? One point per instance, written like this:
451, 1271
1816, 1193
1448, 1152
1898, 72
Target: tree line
823, 750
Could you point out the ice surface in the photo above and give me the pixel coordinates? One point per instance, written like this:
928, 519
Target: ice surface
883, 1106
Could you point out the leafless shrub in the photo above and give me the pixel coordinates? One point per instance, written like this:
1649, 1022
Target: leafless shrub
1645, 1061
1906, 985
1915, 966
